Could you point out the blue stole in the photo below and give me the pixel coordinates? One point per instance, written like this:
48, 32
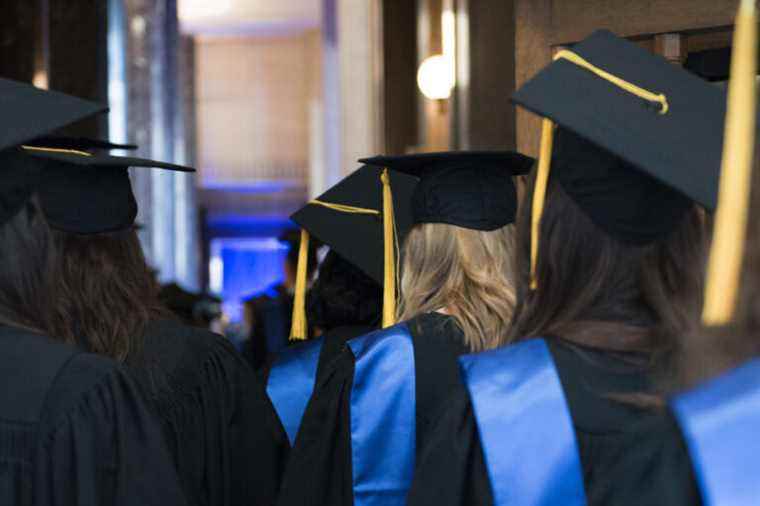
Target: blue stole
291, 383
383, 430
720, 422
525, 426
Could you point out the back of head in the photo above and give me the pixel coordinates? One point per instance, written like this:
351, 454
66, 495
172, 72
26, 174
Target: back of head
343, 296
28, 270
107, 292
599, 290
468, 273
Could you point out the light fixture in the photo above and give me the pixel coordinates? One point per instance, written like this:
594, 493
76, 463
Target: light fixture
435, 77
198, 10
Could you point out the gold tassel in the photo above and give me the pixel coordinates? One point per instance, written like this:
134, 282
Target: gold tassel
539, 194
730, 229
389, 246
298, 327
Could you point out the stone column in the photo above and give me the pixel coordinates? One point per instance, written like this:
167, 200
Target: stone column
157, 109
360, 70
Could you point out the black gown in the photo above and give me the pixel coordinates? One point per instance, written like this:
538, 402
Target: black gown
319, 471
74, 430
334, 343
225, 439
450, 467
651, 468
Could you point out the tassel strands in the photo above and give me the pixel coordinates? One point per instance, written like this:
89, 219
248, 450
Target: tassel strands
731, 217
298, 327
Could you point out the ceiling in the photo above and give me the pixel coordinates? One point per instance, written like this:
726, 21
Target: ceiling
239, 17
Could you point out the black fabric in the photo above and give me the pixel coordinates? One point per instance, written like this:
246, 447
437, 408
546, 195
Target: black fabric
363, 246
84, 200
651, 468
30, 112
450, 467
470, 189
221, 429
621, 200
74, 430
89, 193
681, 148
319, 470
21, 176
272, 315
76, 143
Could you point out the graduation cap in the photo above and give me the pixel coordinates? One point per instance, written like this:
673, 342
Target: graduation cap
470, 189
363, 218
87, 192
638, 140
28, 113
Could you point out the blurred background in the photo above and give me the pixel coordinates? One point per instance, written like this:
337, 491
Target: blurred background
274, 100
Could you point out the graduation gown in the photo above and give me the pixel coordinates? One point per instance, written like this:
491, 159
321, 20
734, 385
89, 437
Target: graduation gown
74, 430
651, 467
291, 376
320, 468
220, 427
451, 469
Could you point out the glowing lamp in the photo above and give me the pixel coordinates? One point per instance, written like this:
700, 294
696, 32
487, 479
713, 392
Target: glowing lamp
434, 77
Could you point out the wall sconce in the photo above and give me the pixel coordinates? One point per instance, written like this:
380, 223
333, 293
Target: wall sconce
434, 77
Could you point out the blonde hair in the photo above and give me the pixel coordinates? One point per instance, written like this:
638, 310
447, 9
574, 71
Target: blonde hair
467, 273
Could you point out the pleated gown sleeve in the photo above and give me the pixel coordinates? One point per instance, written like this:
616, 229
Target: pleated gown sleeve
98, 444
220, 427
650, 468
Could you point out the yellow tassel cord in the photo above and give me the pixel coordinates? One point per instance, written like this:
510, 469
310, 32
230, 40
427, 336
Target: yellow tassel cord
539, 194
390, 257
389, 250
298, 327
730, 229
56, 150
547, 141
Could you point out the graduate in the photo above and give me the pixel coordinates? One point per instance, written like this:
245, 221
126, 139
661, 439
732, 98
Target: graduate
611, 253
374, 408
704, 448
74, 429
215, 416
345, 301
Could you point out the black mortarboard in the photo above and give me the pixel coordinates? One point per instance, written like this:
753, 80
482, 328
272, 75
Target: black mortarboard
28, 113
470, 189
358, 237
89, 193
638, 137
364, 218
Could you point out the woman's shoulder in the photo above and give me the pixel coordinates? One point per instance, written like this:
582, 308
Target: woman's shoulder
179, 358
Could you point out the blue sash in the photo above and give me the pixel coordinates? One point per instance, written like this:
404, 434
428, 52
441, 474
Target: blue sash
720, 422
525, 427
383, 417
291, 383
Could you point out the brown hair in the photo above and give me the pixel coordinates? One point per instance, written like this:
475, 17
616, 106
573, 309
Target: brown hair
108, 293
711, 351
28, 270
469, 273
600, 292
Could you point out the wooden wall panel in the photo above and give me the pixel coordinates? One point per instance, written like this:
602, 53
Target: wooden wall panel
573, 20
542, 25
532, 52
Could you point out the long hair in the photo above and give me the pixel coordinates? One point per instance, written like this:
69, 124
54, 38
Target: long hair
28, 270
107, 292
710, 351
343, 295
468, 273
595, 290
